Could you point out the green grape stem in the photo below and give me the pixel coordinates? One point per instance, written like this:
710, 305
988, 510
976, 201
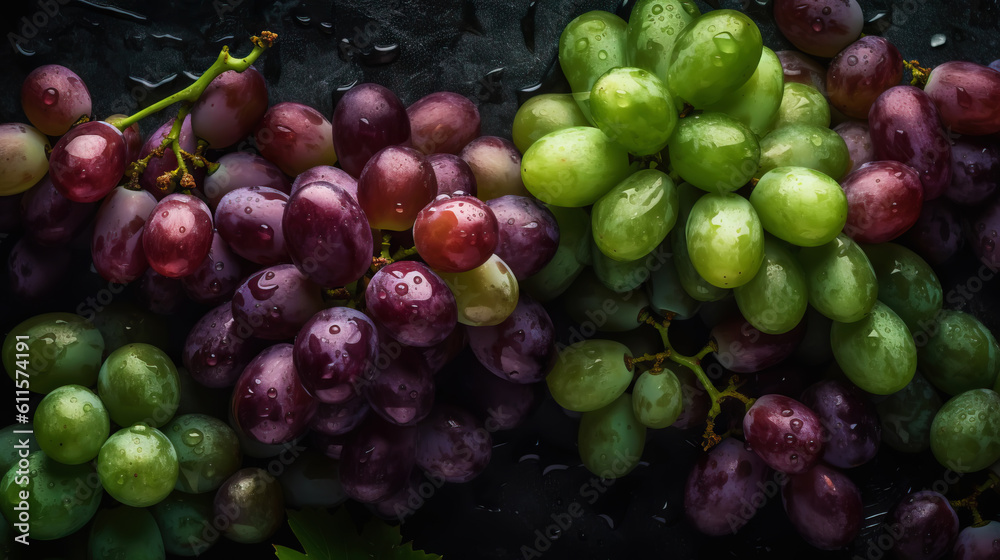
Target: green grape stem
971, 502
920, 74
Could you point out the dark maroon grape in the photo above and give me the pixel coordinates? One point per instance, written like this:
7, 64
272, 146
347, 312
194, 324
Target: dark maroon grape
394, 186
412, 303
726, 487
88, 161
884, 199
694, 399
786, 434
821, 28
744, 349
453, 175
276, 301
167, 163
216, 279
802, 69
851, 422
328, 174
340, 418
50, 218
529, 234
218, 348
252, 505
230, 107
117, 248
269, 403
452, 444
455, 234
367, 119
502, 405
243, 169
861, 72
335, 351
519, 349
36, 271
443, 123
178, 235
327, 234
249, 219
295, 137
376, 462
54, 97
975, 170
160, 294
967, 96
402, 392
904, 126
978, 542
937, 235
824, 506
924, 526
859, 142
496, 163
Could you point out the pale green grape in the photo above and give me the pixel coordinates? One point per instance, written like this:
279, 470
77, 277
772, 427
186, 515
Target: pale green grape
876, 352
71, 424
611, 439
907, 284
841, 281
574, 166
595, 307
543, 114
802, 104
619, 276
958, 353
634, 108
59, 499
139, 383
589, 46
208, 451
485, 295
802, 206
635, 216
965, 434
775, 300
657, 399
59, 349
572, 255
24, 152
805, 145
138, 466
756, 102
725, 240
589, 375
653, 27
126, 532
714, 152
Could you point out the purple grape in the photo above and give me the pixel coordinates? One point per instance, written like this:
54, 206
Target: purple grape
800, 68
160, 294
786, 434
402, 392
367, 119
218, 348
117, 248
529, 234
88, 161
394, 186
924, 526
452, 444
133, 138
694, 399
455, 234
269, 403
54, 97
443, 123
216, 279
726, 487
984, 232
967, 96
851, 422
744, 349
230, 107
412, 303
496, 163
937, 234
859, 142
975, 170
861, 72
243, 169
824, 506
327, 234
452, 175
978, 543
376, 462
334, 352
36, 271
519, 349
249, 219
501, 405
50, 218
295, 137
167, 163
327, 174
178, 235
341, 418
276, 301
884, 199
820, 28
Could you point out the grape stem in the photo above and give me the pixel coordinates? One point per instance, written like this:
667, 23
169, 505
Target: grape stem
920, 74
971, 502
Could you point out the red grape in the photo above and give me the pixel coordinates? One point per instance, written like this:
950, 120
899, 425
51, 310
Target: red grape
884, 199
269, 403
443, 123
230, 107
453, 175
824, 506
820, 27
786, 434
967, 96
295, 137
335, 351
249, 219
117, 248
218, 348
367, 119
50, 218
412, 303
496, 163
276, 301
455, 234
54, 97
218, 276
396, 183
243, 169
88, 161
178, 235
861, 72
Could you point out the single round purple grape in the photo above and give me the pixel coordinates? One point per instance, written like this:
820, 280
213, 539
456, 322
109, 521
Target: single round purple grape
276, 302
368, 118
744, 349
341, 418
978, 543
54, 97
529, 234
116, 247
402, 392
820, 28
443, 122
230, 107
786, 434
967, 96
377, 461
884, 199
453, 175
335, 351
216, 279
861, 72
975, 170
328, 174
167, 163
725, 488
937, 235
269, 403
412, 303
160, 294
496, 163
35, 271
824, 506
924, 526
519, 349
295, 137
452, 444
859, 142
243, 169
50, 218
178, 235
88, 161
851, 421
501, 405
218, 348
249, 219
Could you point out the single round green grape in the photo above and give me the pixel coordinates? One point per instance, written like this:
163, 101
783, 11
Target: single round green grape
756, 102
775, 300
841, 281
590, 45
907, 284
634, 108
657, 399
543, 114
71, 424
611, 439
208, 451
619, 276
138, 466
714, 152
804, 145
802, 206
185, 522
589, 375
253, 501
802, 104
51, 350
693, 284
595, 307
635, 216
14, 446
574, 166
653, 28
485, 295
725, 240
714, 55
877, 352
906, 416
572, 255
139, 383
52, 499
958, 353
126, 532
965, 435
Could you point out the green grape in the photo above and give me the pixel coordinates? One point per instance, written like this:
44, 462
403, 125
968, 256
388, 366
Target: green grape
126, 532
876, 352
634, 217
60, 349
958, 353
634, 108
965, 434
802, 206
589, 375
657, 399
185, 522
208, 451
666, 293
121, 323
138, 466
139, 383
589, 46
595, 307
714, 152
572, 255
802, 104
906, 416
775, 300
486, 295
714, 55
841, 281
756, 102
725, 240
653, 27
24, 150
574, 166
619, 276
51, 500
14, 446
611, 439
71, 424
693, 284
805, 145
906, 283
543, 114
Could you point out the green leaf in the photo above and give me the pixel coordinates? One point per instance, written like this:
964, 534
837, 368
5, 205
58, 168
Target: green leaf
335, 537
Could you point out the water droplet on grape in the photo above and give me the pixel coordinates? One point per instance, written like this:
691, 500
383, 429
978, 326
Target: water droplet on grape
211, 360
50, 96
827, 10
787, 412
401, 289
289, 417
182, 229
192, 437
334, 329
817, 25
88, 407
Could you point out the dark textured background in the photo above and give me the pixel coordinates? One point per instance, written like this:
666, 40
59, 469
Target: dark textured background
131, 53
